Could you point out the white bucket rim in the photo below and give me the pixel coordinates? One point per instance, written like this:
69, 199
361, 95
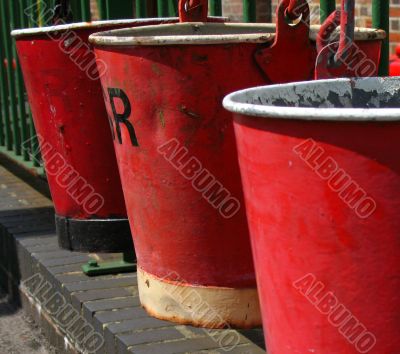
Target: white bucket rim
141, 36
85, 25
234, 102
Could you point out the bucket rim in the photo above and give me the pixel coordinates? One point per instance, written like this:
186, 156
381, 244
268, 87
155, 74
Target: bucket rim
140, 35
232, 103
85, 25
112, 38
360, 33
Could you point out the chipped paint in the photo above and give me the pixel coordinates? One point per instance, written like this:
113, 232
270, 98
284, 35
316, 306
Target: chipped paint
367, 99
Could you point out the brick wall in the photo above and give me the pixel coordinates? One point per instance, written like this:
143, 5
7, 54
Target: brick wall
234, 9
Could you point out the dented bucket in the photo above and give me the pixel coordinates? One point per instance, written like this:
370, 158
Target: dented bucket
321, 176
177, 156
65, 96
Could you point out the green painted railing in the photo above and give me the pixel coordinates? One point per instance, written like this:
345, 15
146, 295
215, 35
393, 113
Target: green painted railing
17, 133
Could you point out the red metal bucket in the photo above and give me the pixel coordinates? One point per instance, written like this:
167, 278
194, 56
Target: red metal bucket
321, 178
178, 162
65, 96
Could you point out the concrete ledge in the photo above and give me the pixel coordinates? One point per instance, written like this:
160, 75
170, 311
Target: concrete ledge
74, 310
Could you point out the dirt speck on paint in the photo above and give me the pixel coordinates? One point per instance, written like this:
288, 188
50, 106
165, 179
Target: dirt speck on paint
162, 118
156, 70
200, 58
189, 113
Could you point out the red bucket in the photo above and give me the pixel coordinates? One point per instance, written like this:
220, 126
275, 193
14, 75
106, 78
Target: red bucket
65, 96
178, 162
321, 178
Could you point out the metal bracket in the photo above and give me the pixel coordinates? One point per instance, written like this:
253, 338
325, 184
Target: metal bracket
292, 56
126, 265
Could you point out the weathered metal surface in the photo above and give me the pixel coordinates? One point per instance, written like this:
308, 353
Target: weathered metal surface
184, 231
202, 306
65, 95
321, 179
167, 138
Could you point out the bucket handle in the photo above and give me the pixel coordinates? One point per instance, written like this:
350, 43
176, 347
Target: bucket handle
292, 56
193, 10
334, 55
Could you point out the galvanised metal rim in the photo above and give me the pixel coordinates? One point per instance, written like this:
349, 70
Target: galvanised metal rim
85, 25
360, 33
194, 33
238, 102
213, 33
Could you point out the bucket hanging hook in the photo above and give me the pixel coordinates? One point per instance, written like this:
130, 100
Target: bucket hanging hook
335, 55
193, 10
296, 10
292, 56
62, 12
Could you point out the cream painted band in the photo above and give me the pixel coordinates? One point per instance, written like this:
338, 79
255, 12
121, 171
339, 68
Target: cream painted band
209, 307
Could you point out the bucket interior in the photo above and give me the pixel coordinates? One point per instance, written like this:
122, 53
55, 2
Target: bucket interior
364, 99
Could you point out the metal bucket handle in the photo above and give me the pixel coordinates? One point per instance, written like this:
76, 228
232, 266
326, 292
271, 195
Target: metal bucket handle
292, 56
332, 56
193, 10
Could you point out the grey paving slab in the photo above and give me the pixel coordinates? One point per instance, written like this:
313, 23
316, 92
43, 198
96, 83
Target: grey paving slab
91, 295
124, 341
175, 347
93, 284
91, 307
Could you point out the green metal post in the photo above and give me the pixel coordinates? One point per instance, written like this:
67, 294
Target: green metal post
18, 8
4, 139
119, 9
32, 21
249, 11
141, 8
7, 15
85, 10
172, 8
103, 9
31, 13
76, 7
380, 19
326, 8
162, 8
215, 7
